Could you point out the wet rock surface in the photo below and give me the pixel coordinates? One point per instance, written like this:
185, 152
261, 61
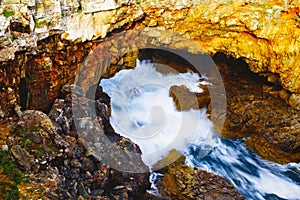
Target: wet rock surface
69, 161
63, 162
255, 112
183, 182
185, 100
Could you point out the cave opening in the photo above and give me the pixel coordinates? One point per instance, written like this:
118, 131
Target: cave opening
248, 97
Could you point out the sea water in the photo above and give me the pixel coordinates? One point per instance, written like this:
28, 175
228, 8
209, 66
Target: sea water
143, 111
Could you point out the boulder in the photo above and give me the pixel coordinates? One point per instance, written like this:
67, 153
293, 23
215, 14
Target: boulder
183, 182
22, 156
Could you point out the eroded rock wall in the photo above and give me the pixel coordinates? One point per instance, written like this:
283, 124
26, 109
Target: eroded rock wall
43, 45
264, 34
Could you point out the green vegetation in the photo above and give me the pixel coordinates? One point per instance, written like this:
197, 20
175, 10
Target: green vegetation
37, 150
8, 13
40, 152
24, 141
263, 6
26, 180
39, 24
5, 39
53, 149
139, 1
265, 23
37, 129
266, 13
297, 18
9, 186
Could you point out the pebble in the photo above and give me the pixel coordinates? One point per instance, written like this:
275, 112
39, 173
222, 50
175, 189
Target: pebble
1, 114
97, 145
9, 90
4, 147
43, 162
294, 101
89, 175
253, 25
76, 163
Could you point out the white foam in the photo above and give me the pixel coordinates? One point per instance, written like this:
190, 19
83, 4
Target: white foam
143, 110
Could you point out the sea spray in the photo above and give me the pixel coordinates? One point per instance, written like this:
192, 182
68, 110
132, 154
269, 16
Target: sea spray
143, 111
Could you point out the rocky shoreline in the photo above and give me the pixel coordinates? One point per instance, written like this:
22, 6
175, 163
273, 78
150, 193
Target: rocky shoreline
62, 165
49, 150
49, 153
256, 112
53, 156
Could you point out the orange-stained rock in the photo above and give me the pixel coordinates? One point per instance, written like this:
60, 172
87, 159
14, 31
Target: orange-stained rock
256, 113
263, 33
179, 183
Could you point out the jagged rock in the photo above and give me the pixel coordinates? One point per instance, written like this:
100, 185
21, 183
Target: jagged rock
183, 182
235, 35
37, 123
174, 158
185, 100
242, 29
58, 114
22, 156
89, 6
270, 125
294, 101
87, 164
96, 167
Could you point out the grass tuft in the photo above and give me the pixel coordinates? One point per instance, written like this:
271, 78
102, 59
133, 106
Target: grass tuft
8, 13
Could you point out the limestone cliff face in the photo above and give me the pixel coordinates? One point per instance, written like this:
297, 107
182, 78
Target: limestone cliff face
265, 34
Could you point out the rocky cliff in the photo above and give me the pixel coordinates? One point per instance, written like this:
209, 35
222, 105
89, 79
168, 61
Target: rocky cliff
264, 34
44, 44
